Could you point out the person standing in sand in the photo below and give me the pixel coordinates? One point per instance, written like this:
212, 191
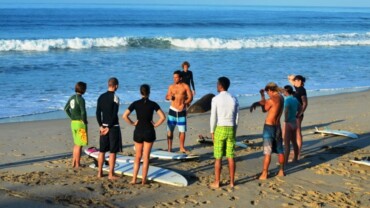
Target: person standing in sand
76, 111
291, 110
144, 134
187, 76
180, 96
223, 122
272, 136
301, 95
110, 132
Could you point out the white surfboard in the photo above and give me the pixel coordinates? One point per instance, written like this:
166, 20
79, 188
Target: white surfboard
160, 175
209, 141
94, 152
363, 161
337, 132
162, 154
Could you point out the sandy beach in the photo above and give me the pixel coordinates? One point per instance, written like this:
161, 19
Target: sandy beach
35, 170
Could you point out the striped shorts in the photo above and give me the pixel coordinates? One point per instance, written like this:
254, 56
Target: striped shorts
224, 142
176, 118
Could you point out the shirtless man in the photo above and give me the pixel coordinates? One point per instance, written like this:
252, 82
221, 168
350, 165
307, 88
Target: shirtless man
272, 137
180, 96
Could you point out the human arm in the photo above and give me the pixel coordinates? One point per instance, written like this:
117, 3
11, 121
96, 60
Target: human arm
261, 103
128, 120
304, 106
291, 79
67, 109
192, 82
189, 95
170, 95
161, 119
83, 110
213, 118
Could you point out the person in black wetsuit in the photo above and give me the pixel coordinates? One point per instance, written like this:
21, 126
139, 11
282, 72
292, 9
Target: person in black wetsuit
187, 76
301, 95
144, 133
110, 132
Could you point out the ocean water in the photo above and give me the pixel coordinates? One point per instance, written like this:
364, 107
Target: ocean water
45, 50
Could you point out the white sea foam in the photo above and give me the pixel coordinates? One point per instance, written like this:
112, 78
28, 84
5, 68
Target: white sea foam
273, 41
49, 44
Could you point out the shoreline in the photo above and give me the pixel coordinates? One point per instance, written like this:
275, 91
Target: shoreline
244, 101
36, 167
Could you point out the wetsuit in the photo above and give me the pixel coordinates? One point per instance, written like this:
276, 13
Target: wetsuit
76, 111
107, 117
300, 91
144, 130
187, 77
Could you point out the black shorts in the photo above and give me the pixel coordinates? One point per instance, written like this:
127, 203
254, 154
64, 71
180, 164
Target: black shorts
144, 135
112, 141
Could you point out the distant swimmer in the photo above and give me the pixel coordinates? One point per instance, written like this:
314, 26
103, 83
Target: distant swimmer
187, 76
180, 96
300, 93
272, 135
144, 133
76, 111
110, 132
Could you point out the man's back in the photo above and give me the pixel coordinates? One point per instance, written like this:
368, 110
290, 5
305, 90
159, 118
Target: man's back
274, 106
108, 105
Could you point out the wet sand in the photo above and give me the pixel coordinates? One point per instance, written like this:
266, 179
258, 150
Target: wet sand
35, 170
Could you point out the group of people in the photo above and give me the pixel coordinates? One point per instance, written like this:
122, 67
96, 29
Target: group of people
223, 122
276, 139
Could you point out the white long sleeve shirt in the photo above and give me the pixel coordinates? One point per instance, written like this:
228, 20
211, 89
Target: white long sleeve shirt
224, 110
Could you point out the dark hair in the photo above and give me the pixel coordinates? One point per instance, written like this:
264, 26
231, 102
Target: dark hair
80, 87
224, 82
300, 77
185, 63
178, 72
145, 90
272, 86
288, 89
112, 82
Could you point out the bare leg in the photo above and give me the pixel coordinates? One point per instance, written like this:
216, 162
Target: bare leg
169, 140
281, 162
138, 154
146, 154
182, 142
100, 164
112, 164
287, 135
216, 183
232, 167
293, 139
299, 135
266, 164
76, 156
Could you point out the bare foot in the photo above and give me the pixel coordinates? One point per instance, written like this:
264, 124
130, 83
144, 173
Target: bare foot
232, 185
281, 173
214, 185
263, 176
133, 182
143, 182
100, 175
113, 177
184, 151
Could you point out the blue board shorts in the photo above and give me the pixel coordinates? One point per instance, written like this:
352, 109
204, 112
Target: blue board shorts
176, 118
272, 139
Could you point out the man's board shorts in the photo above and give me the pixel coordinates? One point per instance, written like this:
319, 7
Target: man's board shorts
112, 141
224, 142
79, 133
176, 118
272, 139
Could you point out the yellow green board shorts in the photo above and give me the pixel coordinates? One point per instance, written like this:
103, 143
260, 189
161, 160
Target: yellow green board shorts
224, 142
79, 133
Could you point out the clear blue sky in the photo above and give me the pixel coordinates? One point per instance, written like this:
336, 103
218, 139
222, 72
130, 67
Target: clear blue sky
336, 3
